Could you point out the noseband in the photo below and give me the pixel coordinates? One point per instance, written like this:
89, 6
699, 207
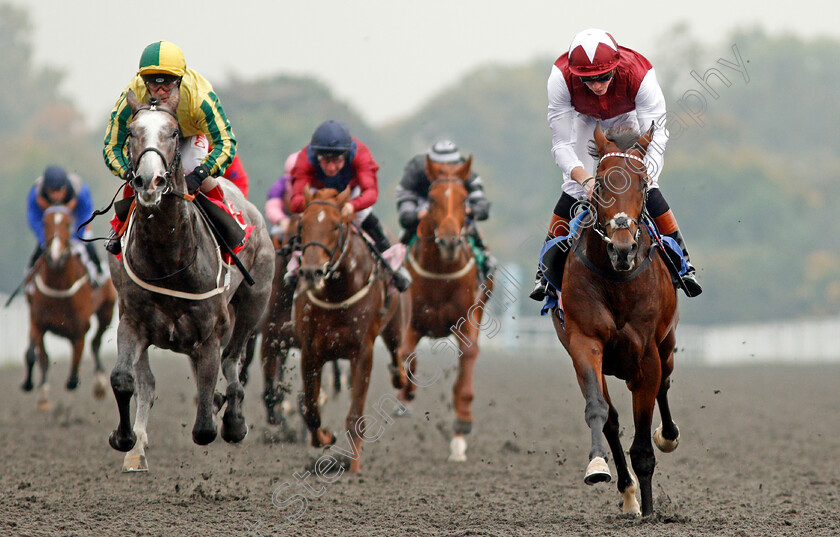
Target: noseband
620, 220
341, 246
435, 237
171, 167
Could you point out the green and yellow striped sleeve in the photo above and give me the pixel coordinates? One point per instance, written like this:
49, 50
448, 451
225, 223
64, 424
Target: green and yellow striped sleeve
115, 136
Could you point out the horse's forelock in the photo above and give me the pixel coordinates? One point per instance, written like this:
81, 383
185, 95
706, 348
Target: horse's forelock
624, 139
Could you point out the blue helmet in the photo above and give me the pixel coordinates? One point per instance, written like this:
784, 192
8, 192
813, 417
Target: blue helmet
55, 178
331, 138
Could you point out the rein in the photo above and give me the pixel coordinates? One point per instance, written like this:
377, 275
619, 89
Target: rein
343, 241
619, 221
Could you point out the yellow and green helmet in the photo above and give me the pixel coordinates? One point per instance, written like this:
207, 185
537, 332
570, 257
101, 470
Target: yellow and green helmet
162, 57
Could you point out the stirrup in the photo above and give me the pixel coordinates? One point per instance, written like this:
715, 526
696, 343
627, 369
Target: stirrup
542, 289
691, 286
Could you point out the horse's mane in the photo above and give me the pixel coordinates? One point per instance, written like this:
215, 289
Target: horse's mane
624, 138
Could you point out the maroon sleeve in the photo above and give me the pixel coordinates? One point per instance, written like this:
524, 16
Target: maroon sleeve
303, 174
365, 168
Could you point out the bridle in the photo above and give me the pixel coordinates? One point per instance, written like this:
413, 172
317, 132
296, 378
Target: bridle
620, 220
336, 254
438, 240
171, 167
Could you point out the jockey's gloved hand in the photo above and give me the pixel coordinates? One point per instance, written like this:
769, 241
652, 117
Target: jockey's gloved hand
196, 177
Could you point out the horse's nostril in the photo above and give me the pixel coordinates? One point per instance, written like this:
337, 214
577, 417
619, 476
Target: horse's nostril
158, 181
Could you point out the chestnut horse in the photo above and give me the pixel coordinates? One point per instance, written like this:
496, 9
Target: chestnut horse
62, 302
621, 314
446, 296
342, 303
175, 290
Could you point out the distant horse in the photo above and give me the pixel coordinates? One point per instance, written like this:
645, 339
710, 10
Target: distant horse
62, 302
278, 334
446, 297
621, 314
342, 303
175, 290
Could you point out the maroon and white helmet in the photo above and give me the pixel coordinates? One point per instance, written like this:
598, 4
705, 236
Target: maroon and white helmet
593, 52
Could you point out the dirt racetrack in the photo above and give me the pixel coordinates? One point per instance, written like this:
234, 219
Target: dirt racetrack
759, 455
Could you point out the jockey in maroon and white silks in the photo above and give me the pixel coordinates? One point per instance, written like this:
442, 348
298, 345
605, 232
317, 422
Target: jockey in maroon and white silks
632, 100
599, 81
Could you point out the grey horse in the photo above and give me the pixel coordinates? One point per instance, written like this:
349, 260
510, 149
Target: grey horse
174, 289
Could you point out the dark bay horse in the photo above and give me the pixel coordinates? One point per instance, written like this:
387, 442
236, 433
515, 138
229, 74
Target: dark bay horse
175, 290
342, 303
278, 333
62, 302
446, 296
620, 318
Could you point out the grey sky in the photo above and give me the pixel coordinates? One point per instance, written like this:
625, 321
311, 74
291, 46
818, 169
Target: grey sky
384, 57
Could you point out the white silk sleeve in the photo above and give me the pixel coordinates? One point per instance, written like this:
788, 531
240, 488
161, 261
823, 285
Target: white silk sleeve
561, 116
650, 108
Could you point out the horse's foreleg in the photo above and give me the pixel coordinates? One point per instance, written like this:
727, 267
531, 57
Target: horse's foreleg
311, 372
30, 358
247, 358
135, 460
641, 451
463, 392
409, 344
626, 484
103, 320
356, 422
43, 402
129, 348
234, 428
586, 356
272, 349
393, 335
667, 435
205, 362
75, 363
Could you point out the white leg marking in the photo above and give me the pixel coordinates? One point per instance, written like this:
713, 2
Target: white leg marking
458, 448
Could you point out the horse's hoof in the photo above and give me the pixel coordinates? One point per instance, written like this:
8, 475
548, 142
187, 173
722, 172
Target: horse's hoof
458, 449
202, 437
665, 445
135, 463
631, 504
72, 383
100, 387
124, 444
43, 405
322, 398
402, 411
27, 386
323, 438
235, 431
597, 472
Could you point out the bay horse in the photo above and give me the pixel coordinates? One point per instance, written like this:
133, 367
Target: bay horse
62, 302
446, 297
175, 290
342, 303
621, 315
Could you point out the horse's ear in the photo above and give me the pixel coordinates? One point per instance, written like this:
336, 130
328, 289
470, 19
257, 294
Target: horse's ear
132, 100
307, 195
464, 169
645, 139
600, 140
342, 198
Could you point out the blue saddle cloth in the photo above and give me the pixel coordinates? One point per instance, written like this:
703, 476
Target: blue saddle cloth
664, 242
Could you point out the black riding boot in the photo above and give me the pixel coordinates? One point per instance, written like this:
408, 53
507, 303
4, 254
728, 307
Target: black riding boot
371, 226
555, 263
691, 285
